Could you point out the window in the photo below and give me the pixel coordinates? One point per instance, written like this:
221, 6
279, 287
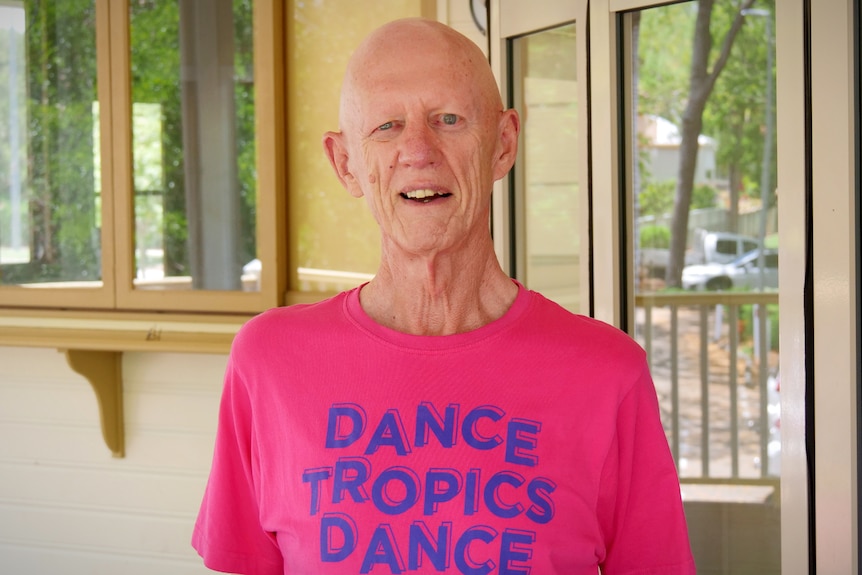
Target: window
193, 145
49, 96
726, 247
144, 169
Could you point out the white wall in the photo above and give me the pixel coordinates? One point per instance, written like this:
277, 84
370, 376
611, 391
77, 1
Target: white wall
66, 505
457, 14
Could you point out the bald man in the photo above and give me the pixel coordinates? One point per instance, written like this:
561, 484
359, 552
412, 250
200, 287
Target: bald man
423, 138
439, 418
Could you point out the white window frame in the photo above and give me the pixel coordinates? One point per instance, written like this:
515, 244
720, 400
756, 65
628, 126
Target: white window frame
829, 169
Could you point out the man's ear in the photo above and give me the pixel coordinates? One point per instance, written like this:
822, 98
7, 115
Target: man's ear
508, 129
339, 159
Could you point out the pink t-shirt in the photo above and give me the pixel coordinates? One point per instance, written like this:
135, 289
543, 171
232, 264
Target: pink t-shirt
530, 445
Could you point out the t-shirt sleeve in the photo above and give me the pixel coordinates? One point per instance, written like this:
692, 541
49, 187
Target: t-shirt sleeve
640, 507
228, 533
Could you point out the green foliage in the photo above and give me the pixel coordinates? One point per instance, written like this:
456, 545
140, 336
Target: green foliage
665, 35
735, 115
155, 62
245, 127
156, 73
653, 236
703, 196
61, 87
60, 120
656, 198
746, 317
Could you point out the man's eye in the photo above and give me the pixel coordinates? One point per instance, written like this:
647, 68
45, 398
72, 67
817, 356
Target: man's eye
449, 119
386, 126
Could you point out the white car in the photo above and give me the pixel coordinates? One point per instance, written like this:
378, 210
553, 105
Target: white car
743, 273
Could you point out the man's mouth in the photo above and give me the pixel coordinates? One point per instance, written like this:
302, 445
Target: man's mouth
424, 196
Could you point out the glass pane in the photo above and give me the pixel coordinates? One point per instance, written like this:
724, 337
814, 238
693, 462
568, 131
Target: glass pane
193, 145
705, 230
546, 83
49, 153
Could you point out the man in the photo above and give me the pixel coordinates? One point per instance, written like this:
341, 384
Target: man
441, 417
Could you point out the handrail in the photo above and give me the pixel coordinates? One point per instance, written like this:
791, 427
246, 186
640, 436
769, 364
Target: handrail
694, 419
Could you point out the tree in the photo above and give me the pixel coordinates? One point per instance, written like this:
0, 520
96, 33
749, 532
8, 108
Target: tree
156, 27
61, 89
702, 81
736, 114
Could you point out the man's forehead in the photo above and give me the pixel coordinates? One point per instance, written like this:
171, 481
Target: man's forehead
429, 74
413, 32
414, 42
430, 77
416, 58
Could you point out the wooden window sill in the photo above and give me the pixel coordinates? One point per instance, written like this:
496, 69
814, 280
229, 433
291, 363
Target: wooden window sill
119, 331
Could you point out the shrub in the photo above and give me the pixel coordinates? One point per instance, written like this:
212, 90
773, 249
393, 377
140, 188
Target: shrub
746, 317
656, 198
703, 196
655, 237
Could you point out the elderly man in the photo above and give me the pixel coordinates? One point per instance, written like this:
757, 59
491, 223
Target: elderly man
440, 418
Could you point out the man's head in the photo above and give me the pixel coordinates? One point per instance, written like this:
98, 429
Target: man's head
423, 134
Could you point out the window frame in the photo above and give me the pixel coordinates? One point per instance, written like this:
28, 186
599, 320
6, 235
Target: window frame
117, 292
612, 299
832, 281
607, 49
521, 18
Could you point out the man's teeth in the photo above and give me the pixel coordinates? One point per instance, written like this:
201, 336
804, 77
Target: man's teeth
420, 194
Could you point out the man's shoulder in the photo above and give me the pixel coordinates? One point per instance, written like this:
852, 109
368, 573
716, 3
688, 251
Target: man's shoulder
556, 312
565, 325
292, 320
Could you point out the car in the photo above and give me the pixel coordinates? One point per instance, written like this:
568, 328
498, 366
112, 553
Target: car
742, 273
721, 247
707, 247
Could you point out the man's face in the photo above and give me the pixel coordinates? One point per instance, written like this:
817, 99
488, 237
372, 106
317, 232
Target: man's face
423, 141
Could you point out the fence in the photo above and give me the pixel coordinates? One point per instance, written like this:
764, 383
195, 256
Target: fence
717, 382
715, 220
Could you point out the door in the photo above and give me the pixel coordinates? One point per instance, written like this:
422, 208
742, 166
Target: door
595, 196
541, 213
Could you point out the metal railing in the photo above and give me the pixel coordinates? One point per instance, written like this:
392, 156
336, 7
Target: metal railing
717, 381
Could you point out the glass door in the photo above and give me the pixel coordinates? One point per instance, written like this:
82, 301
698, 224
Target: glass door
660, 173
541, 215
700, 198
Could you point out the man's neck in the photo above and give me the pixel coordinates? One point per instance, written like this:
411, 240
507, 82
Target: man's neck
440, 297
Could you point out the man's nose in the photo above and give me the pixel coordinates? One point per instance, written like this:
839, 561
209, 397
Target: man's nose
419, 146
